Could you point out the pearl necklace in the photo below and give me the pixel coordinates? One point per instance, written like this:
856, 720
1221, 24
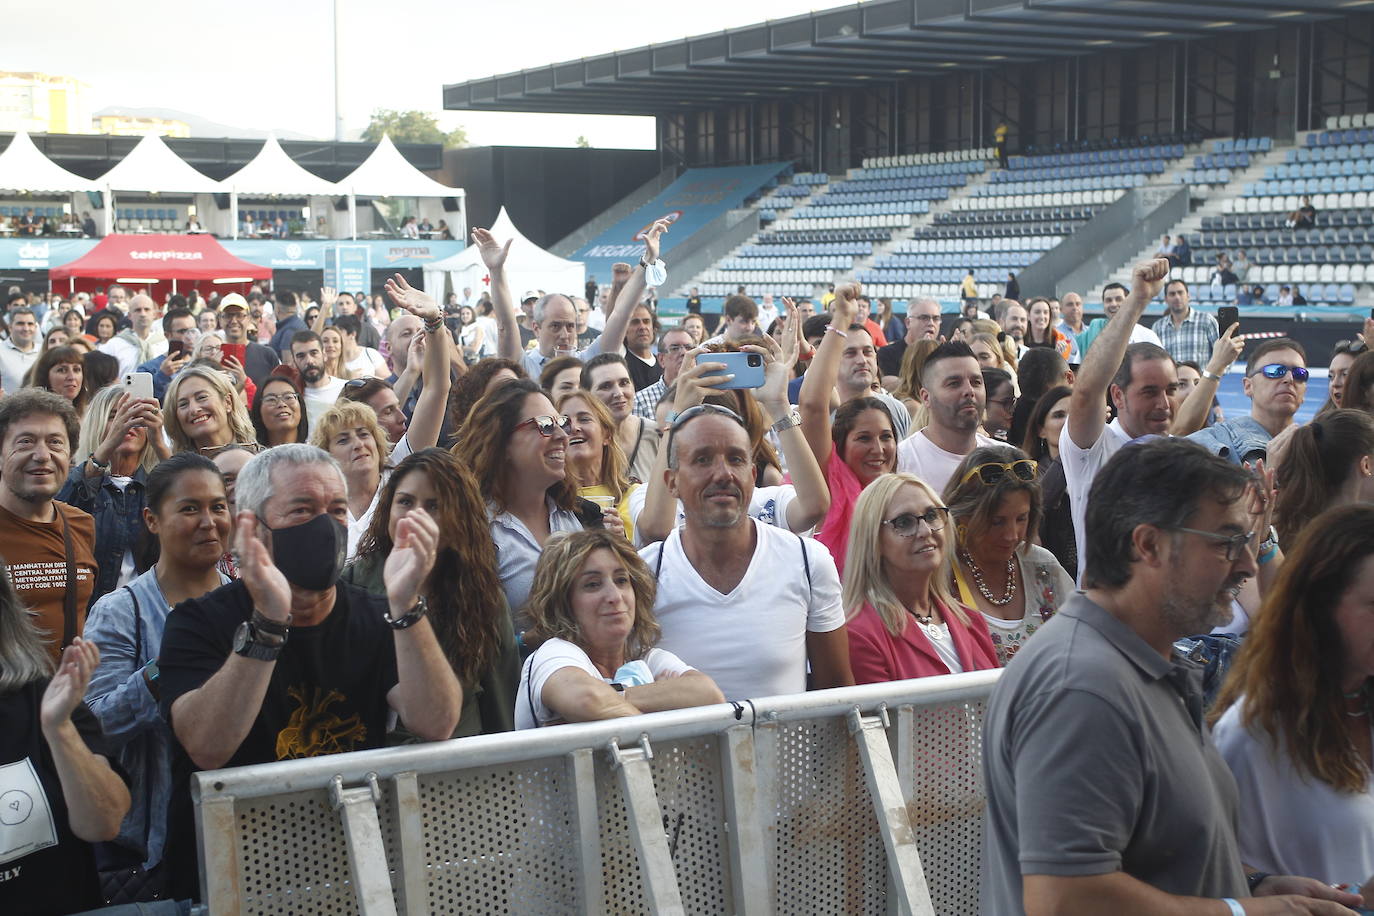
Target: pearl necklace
983, 586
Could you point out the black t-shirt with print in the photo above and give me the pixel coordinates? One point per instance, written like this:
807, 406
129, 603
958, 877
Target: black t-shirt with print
327, 694
51, 878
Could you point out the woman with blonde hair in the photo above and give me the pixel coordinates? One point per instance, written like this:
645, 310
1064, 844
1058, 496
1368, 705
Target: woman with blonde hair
1293, 716
596, 462
349, 431
592, 605
903, 620
909, 384
205, 413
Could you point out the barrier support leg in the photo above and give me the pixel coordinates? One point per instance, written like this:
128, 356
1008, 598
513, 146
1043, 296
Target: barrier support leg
219, 873
366, 853
582, 779
410, 835
751, 890
908, 879
646, 827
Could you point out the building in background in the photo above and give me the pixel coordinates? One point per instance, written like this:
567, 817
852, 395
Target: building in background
43, 103
127, 125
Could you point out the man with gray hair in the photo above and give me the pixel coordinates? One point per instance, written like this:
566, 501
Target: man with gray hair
922, 323
554, 317
142, 340
1106, 793
289, 662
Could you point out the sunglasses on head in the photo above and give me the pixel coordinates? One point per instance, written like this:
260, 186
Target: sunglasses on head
1353, 347
1279, 370
546, 425
993, 471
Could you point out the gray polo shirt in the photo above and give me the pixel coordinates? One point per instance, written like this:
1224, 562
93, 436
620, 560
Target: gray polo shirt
1096, 760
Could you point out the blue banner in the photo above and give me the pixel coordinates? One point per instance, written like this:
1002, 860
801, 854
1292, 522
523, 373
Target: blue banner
284, 254
348, 267
689, 203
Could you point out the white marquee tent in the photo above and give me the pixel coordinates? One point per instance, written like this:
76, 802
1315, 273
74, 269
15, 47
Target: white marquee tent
386, 173
528, 267
23, 167
272, 173
152, 168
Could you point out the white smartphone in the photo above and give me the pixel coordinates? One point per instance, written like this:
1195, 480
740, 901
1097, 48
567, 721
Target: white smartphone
139, 385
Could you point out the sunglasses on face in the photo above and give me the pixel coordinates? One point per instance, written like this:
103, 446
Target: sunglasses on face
908, 523
546, 425
993, 471
1279, 370
1235, 543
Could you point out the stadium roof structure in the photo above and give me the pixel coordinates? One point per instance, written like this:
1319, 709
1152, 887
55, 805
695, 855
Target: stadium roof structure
852, 46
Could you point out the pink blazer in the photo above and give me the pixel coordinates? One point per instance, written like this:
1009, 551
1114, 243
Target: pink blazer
877, 656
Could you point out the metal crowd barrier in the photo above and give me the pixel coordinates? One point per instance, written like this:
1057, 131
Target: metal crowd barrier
862, 800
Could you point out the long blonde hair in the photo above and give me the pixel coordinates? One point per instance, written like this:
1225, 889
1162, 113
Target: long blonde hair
865, 581
98, 415
235, 411
613, 462
23, 656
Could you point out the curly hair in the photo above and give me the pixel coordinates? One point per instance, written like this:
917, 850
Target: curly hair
1288, 669
550, 603
350, 415
483, 439
470, 387
236, 414
613, 463
464, 593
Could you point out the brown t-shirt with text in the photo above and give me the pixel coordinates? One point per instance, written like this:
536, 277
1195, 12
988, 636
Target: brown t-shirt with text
37, 564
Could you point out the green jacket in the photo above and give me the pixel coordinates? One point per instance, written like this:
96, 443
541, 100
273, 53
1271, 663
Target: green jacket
488, 704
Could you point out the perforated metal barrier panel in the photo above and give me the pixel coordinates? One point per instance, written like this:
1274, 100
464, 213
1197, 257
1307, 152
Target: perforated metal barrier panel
717, 810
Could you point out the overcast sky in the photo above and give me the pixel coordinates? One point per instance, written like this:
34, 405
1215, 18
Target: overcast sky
267, 63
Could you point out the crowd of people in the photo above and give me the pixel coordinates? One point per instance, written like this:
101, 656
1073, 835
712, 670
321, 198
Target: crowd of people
339, 522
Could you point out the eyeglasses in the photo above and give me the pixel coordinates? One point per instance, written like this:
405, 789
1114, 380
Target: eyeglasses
927, 318
1235, 543
677, 348
700, 409
908, 523
993, 471
546, 425
1007, 404
210, 451
1279, 370
277, 400
1353, 347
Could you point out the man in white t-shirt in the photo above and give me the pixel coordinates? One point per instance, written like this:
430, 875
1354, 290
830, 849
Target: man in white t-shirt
1140, 378
952, 391
360, 361
747, 603
321, 389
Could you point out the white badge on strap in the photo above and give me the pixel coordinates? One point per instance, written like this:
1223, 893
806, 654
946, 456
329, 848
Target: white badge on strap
656, 273
26, 822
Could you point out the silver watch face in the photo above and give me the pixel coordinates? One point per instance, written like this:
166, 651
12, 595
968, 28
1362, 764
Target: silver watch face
242, 636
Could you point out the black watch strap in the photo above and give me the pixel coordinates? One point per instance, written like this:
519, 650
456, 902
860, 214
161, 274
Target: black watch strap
1254, 878
410, 617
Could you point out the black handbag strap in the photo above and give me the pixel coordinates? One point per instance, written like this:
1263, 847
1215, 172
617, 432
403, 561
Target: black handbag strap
69, 599
138, 628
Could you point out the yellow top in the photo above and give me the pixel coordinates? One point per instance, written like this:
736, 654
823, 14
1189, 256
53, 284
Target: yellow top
970, 288
623, 507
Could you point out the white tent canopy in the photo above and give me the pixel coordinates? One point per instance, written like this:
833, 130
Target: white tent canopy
151, 167
23, 167
528, 267
386, 173
273, 173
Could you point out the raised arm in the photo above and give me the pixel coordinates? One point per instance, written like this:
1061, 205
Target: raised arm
428, 417
494, 257
1192, 413
819, 382
659, 515
427, 695
1086, 419
96, 797
813, 496
212, 720
613, 334
328, 295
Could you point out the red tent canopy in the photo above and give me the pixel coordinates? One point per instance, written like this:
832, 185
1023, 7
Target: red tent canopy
160, 257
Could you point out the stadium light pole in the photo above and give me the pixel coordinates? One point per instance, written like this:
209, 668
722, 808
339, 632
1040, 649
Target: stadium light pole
338, 114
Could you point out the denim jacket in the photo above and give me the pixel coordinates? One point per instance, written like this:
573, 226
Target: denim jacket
1237, 440
118, 518
127, 711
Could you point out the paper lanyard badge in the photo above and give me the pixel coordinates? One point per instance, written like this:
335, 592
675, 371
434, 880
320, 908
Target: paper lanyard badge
26, 822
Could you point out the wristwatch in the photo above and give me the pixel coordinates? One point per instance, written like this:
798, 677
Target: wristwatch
787, 422
250, 642
410, 617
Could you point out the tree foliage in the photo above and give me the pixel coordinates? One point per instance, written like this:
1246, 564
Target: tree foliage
411, 127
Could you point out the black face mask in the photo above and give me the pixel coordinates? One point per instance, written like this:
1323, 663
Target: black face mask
311, 556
